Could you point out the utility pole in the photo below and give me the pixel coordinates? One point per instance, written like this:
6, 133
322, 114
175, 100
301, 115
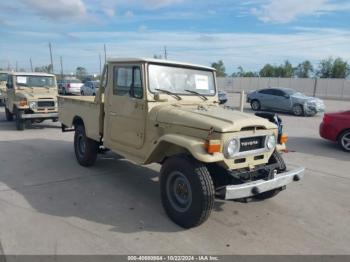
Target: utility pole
165, 53
31, 64
16, 66
100, 65
105, 53
51, 56
61, 67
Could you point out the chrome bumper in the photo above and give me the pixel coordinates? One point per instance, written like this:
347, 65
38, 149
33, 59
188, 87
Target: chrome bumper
256, 187
34, 116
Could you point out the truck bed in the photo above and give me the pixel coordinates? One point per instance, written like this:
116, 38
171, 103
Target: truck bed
84, 107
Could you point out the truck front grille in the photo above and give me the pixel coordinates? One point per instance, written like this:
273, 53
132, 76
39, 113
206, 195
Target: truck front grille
46, 103
251, 143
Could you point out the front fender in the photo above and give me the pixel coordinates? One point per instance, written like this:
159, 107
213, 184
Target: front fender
172, 144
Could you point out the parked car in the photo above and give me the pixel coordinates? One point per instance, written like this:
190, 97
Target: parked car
336, 127
222, 97
69, 86
285, 99
90, 88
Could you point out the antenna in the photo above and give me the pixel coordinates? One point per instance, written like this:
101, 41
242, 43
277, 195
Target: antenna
31, 64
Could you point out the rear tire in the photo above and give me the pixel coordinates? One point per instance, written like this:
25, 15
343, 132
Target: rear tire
276, 158
187, 191
20, 123
85, 148
9, 116
344, 140
255, 105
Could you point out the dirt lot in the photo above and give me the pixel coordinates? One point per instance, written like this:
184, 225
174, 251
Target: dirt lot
51, 205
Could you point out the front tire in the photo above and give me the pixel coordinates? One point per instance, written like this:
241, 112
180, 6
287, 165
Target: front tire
9, 116
344, 140
298, 110
20, 123
277, 159
255, 105
187, 191
85, 148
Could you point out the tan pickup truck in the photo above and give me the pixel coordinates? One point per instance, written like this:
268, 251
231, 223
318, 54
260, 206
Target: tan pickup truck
31, 98
3, 80
154, 111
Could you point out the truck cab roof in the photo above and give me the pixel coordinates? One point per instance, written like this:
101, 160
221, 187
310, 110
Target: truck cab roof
157, 61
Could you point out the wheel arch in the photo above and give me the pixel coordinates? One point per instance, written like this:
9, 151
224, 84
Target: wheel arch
173, 144
77, 120
342, 132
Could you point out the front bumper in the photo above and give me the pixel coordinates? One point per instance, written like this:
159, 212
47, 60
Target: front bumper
36, 116
256, 187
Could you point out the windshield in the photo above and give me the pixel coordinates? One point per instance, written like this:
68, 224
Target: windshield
177, 80
35, 81
3, 77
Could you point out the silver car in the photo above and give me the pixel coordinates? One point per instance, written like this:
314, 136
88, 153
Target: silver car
285, 99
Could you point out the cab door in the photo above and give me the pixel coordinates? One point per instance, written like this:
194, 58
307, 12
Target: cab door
10, 93
126, 107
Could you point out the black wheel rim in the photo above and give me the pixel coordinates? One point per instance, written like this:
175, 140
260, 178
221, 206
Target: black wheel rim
81, 145
179, 191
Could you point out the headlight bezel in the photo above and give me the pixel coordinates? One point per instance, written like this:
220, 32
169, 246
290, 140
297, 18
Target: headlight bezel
269, 139
227, 149
33, 105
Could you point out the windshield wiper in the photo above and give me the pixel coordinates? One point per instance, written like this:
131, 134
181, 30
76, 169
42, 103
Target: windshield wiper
169, 93
196, 93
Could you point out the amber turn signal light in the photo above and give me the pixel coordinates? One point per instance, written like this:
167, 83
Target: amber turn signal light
212, 146
283, 139
23, 102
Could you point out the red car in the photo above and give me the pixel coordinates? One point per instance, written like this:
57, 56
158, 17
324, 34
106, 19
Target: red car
336, 127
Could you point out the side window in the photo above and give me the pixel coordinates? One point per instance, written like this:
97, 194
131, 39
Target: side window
128, 81
267, 92
279, 93
10, 82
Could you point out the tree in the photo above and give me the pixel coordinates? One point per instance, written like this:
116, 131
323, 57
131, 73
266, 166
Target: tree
44, 69
267, 71
242, 73
330, 68
287, 70
304, 69
340, 69
220, 68
81, 72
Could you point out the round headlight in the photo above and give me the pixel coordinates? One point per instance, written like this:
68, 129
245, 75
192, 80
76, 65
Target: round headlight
32, 105
271, 142
231, 148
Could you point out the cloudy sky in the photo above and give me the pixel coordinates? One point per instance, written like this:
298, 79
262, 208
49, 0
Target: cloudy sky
249, 33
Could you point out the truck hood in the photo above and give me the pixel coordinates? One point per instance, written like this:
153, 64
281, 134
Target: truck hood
210, 116
39, 94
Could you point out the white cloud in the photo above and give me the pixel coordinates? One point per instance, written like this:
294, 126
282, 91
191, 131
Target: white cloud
161, 3
73, 9
278, 11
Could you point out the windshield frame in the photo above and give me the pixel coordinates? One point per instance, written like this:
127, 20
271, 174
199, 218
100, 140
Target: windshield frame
183, 67
25, 86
